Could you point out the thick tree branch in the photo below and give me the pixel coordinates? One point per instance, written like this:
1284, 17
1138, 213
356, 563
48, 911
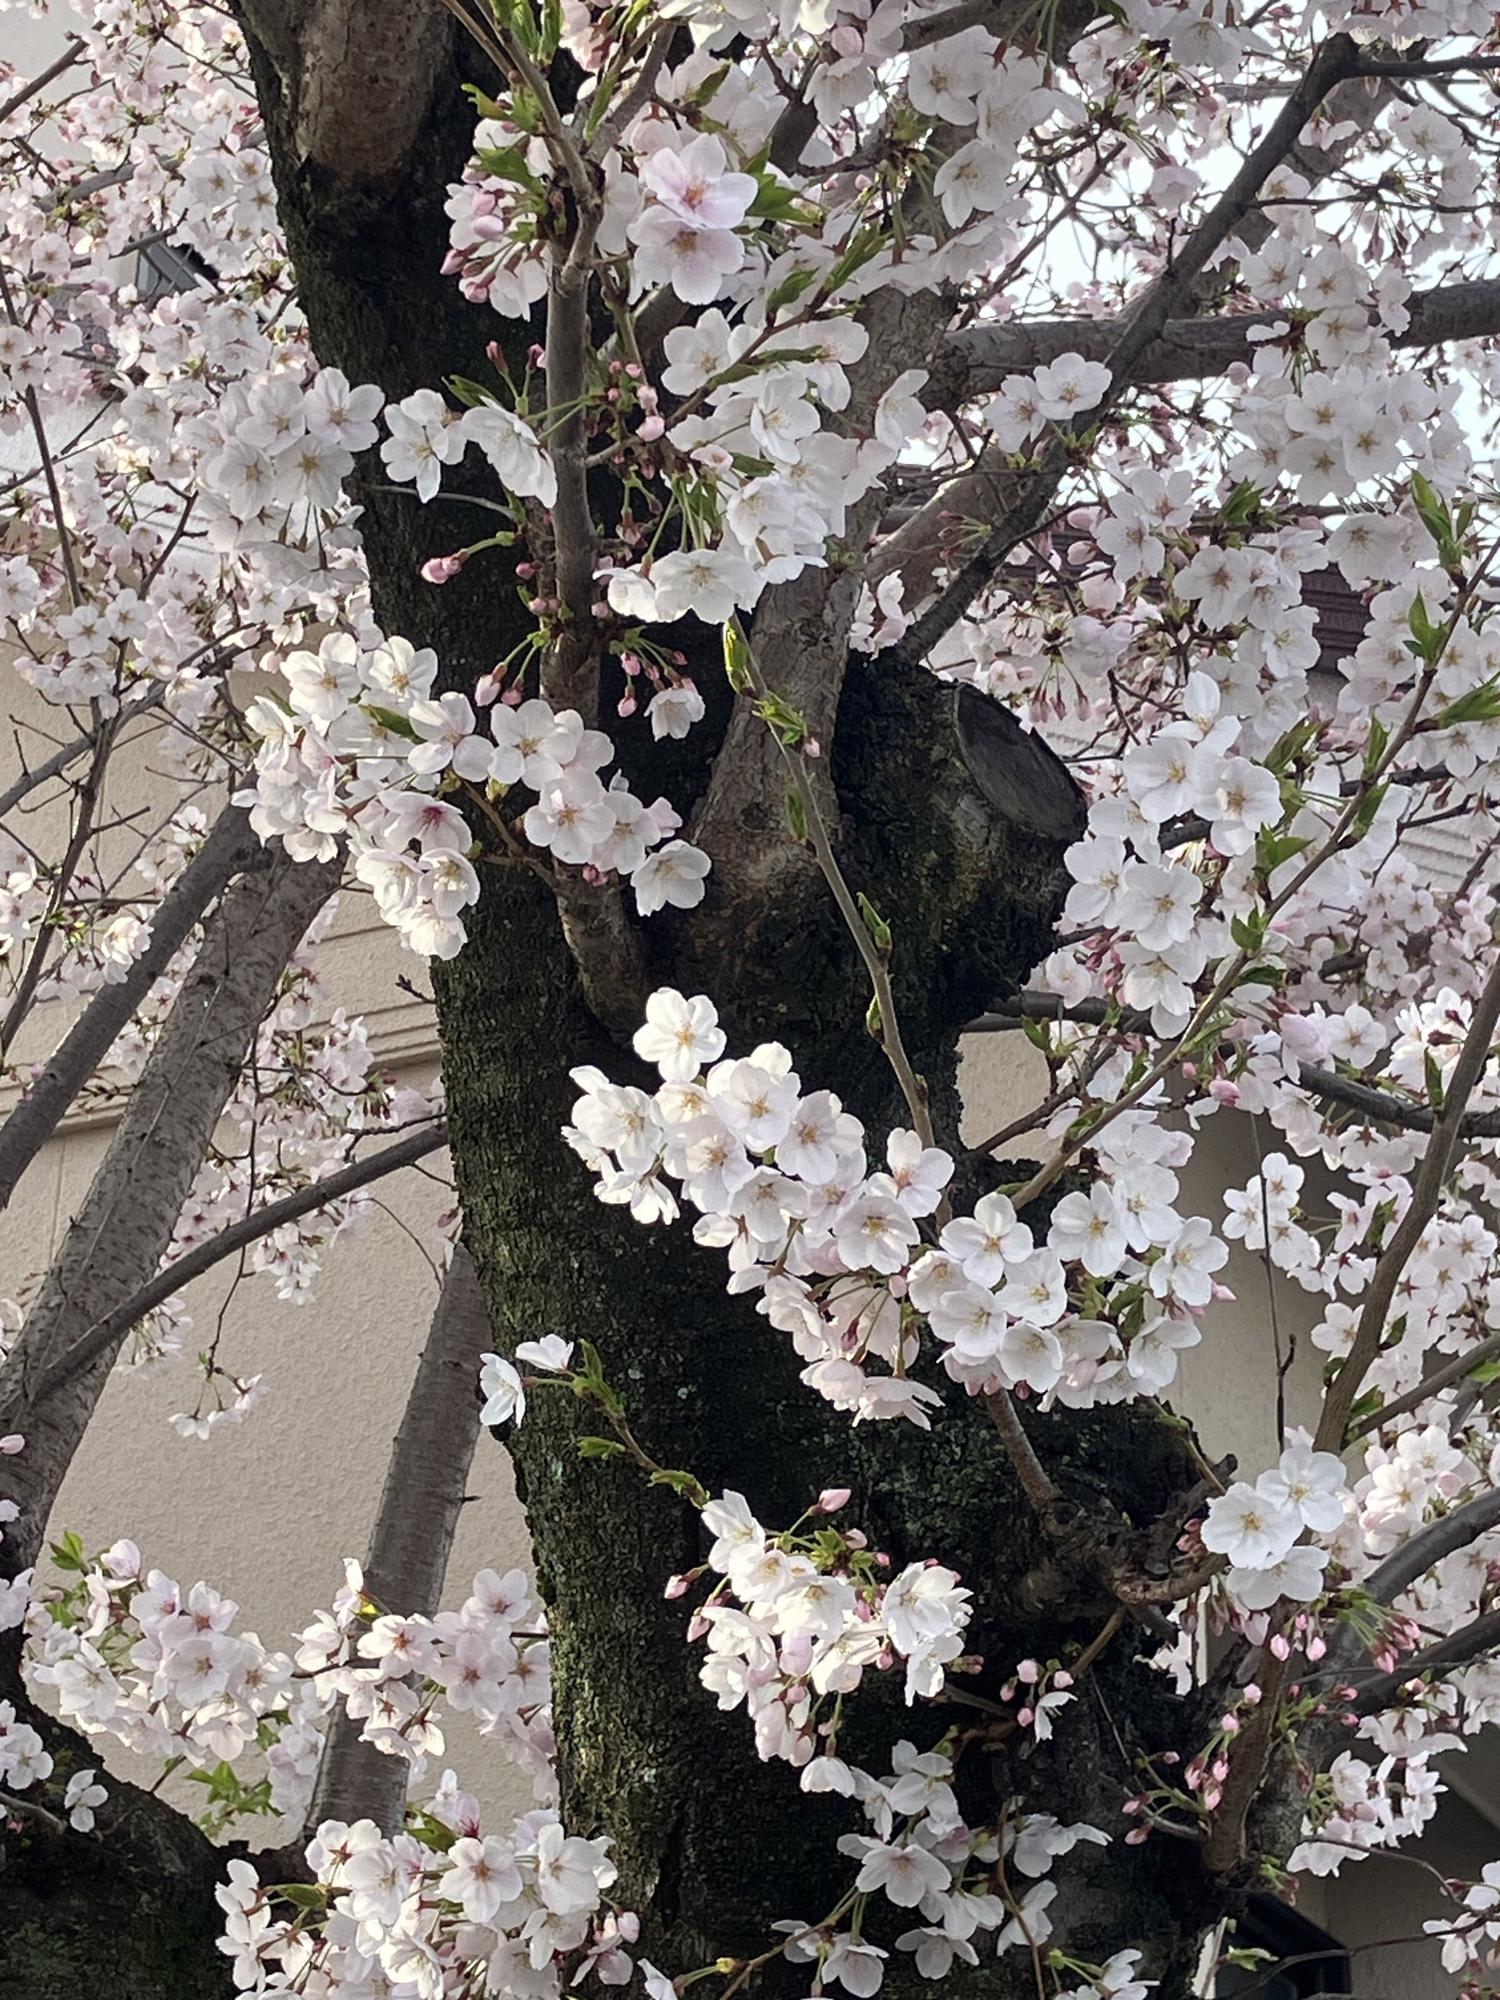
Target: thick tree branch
116, 1241
425, 1477
1429, 1545
984, 489
259, 1223
975, 360
1457, 1369
359, 73
1457, 1649
1169, 296
229, 846
1383, 1106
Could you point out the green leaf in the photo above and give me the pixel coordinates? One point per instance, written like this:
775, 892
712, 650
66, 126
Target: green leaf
1272, 849
1480, 704
431, 1832
710, 86
776, 202
1428, 637
485, 106
682, 1483
736, 657
789, 290
68, 1552
301, 1895
473, 395
389, 719
1369, 806
1433, 1077
551, 29
508, 163
1248, 932
598, 1447
875, 924
866, 244
1241, 506
1433, 513
796, 814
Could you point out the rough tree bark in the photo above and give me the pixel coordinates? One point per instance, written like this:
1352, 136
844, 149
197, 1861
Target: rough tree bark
712, 1845
420, 1502
136, 1896
137, 1194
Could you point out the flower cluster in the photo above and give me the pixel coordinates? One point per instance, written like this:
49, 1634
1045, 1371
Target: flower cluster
797, 1620
448, 1909
1259, 1529
782, 1183
126, 1653
365, 751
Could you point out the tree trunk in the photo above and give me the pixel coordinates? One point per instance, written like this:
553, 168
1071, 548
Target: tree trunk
126, 1911
136, 1894
713, 1845
407, 1561
954, 843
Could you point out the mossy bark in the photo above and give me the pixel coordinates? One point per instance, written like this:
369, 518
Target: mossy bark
713, 1844
126, 1910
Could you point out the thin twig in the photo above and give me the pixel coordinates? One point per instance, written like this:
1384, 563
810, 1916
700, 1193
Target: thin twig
876, 963
193, 1263
1436, 1164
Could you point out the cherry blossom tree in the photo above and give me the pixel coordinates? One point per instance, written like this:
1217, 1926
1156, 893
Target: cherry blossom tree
764, 538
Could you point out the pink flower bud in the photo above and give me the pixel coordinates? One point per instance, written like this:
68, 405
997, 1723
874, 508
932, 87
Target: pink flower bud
832, 1498
676, 1587
1280, 1646
443, 569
